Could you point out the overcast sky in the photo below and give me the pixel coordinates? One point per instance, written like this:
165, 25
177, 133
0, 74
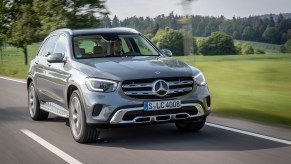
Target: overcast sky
228, 8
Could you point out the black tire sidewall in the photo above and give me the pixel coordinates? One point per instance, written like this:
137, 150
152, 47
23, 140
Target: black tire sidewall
36, 103
81, 136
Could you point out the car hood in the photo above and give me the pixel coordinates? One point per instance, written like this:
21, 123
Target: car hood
138, 67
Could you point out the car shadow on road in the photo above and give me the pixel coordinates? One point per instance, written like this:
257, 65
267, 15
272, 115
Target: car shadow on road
163, 137
166, 137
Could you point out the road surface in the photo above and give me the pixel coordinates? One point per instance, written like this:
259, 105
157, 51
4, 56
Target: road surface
25, 141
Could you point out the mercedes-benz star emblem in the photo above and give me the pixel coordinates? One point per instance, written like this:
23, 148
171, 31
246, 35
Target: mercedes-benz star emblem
160, 88
157, 72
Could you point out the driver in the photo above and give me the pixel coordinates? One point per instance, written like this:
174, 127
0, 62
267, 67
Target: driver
116, 47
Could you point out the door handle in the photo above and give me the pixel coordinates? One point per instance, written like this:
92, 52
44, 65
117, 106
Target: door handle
49, 64
36, 62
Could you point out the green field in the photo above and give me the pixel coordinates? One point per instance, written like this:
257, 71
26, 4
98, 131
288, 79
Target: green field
268, 48
12, 61
255, 87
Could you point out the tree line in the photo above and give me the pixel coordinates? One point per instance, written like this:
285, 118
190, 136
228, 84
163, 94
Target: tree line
275, 29
23, 22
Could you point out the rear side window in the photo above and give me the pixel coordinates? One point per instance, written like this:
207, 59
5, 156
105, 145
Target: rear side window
87, 45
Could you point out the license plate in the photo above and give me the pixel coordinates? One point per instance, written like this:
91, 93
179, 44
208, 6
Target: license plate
160, 105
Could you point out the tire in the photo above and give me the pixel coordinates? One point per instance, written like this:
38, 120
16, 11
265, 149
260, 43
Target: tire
190, 126
33, 105
81, 131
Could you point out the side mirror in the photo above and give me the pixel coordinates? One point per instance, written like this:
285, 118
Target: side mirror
167, 52
56, 58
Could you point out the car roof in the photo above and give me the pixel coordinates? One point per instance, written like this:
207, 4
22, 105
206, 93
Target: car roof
78, 32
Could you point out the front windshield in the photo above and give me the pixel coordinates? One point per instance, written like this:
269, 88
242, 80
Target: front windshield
104, 45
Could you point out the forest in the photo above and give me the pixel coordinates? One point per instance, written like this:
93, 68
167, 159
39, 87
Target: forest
275, 29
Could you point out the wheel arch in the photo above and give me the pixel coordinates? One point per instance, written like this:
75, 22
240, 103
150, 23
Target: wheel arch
28, 81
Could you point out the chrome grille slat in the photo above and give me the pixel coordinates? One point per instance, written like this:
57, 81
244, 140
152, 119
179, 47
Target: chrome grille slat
141, 85
174, 83
139, 93
144, 88
180, 90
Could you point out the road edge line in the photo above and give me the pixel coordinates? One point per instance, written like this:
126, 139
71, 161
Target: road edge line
250, 133
50, 147
5, 78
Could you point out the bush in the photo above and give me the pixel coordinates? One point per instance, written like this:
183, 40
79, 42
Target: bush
286, 48
217, 43
150, 36
238, 47
259, 51
283, 49
172, 40
247, 49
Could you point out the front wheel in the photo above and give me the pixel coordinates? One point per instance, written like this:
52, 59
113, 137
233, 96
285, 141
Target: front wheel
191, 126
81, 131
33, 105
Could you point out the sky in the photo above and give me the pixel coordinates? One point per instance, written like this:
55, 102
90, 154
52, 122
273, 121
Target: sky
228, 8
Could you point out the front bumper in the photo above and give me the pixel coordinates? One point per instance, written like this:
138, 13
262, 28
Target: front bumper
116, 108
138, 115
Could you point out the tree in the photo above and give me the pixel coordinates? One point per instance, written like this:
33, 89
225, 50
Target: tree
22, 32
272, 35
81, 13
271, 21
26, 21
212, 26
226, 27
195, 46
115, 21
51, 16
249, 33
217, 43
172, 40
156, 28
2, 24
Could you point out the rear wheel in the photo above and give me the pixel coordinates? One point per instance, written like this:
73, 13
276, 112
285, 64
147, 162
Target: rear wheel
191, 126
81, 131
33, 105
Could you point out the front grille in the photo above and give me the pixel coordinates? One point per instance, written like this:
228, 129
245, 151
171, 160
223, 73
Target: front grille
143, 88
191, 110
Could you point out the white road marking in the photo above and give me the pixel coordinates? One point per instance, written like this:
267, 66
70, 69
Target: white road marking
50, 147
12, 79
250, 133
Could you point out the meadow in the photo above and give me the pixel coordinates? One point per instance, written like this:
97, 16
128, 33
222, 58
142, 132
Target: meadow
254, 87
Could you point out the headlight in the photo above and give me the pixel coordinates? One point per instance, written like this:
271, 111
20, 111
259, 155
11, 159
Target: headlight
100, 85
199, 79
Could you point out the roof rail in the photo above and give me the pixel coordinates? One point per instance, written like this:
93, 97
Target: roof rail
63, 30
127, 29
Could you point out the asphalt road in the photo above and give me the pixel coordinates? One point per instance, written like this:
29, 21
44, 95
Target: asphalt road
143, 145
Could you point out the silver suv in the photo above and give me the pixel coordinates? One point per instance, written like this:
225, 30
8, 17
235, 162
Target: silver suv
76, 75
